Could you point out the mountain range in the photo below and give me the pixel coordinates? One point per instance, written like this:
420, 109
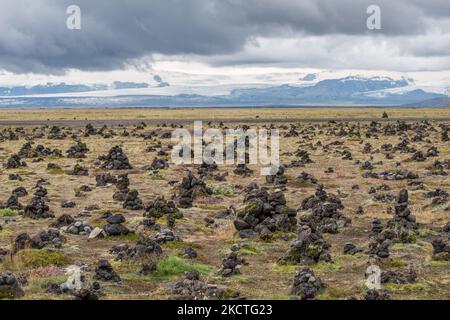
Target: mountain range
347, 91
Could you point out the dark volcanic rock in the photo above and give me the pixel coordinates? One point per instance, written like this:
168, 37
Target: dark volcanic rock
105, 272
309, 247
115, 160
231, 265
306, 285
132, 201
264, 213
146, 247
10, 287
191, 187
325, 215
14, 162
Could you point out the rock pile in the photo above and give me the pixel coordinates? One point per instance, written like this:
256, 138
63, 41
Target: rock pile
122, 185
159, 164
231, 265
115, 160
77, 151
441, 249
325, 215
146, 247
79, 170
379, 240
404, 222
242, 170
191, 187
10, 287
409, 276
309, 247
38, 209
64, 220
264, 213
132, 201
56, 133
160, 207
12, 203
79, 227
306, 285
278, 178
44, 239
105, 272
14, 162
305, 178
105, 179
192, 288
114, 226
27, 151
400, 174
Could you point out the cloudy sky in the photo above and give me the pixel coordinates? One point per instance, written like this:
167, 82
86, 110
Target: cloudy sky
221, 41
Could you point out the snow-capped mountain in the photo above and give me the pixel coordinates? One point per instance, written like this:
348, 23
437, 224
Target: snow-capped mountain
309, 91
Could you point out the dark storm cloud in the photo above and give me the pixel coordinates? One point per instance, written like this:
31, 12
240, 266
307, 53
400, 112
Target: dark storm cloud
33, 36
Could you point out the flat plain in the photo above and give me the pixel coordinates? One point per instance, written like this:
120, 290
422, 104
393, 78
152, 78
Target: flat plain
412, 154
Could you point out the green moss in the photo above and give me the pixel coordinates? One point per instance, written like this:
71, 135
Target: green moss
395, 263
427, 233
250, 250
325, 267
211, 207
57, 171
8, 212
33, 258
419, 287
223, 190
172, 266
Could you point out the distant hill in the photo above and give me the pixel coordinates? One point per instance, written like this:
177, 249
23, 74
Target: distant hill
436, 102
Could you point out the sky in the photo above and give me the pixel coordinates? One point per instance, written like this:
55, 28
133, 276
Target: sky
222, 42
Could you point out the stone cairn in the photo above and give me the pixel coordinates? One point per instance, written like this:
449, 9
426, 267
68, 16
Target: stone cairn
122, 185
114, 226
159, 208
115, 160
441, 249
403, 224
10, 287
193, 288
105, 179
306, 285
379, 240
38, 209
325, 215
191, 187
78, 227
231, 265
132, 201
79, 170
77, 151
309, 247
14, 162
145, 248
278, 178
105, 272
264, 213
64, 220
46, 238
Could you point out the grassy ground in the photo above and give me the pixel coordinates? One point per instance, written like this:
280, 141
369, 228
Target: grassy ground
208, 113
